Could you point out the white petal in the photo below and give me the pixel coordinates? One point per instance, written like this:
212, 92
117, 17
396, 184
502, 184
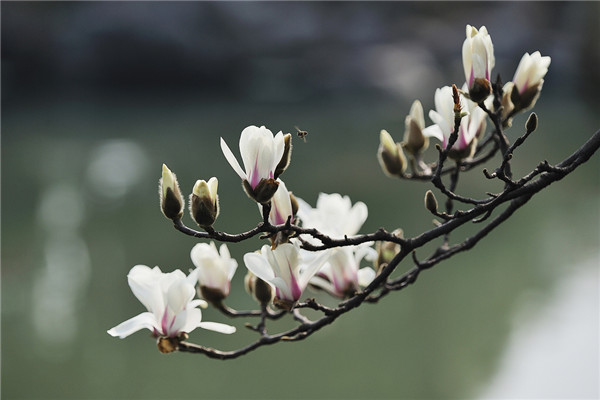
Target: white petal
217, 327
312, 268
356, 218
185, 321
145, 285
434, 131
141, 321
232, 160
197, 303
322, 283
180, 293
366, 276
259, 266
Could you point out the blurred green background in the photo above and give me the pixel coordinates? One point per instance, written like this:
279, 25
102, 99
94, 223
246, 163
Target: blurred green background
97, 95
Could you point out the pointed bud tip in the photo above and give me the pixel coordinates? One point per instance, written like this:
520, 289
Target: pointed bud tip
532, 122
431, 203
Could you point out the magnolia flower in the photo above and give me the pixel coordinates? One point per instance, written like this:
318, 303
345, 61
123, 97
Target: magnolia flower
168, 299
171, 200
443, 119
334, 215
528, 80
213, 270
204, 202
478, 61
282, 267
340, 275
265, 158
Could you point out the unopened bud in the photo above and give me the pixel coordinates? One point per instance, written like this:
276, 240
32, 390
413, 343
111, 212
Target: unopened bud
430, 202
214, 296
531, 124
390, 155
386, 251
171, 200
204, 202
480, 90
263, 192
286, 157
260, 290
414, 140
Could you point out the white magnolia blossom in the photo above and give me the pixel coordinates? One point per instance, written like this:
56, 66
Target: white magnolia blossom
214, 269
281, 205
443, 119
284, 268
334, 215
260, 151
168, 297
340, 275
477, 54
531, 71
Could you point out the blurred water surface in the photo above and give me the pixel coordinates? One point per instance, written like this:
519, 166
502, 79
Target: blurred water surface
96, 96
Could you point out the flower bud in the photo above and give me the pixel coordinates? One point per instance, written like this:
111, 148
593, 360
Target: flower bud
386, 251
171, 200
478, 61
480, 90
528, 80
390, 155
260, 290
414, 140
532, 122
263, 192
204, 202
286, 157
430, 202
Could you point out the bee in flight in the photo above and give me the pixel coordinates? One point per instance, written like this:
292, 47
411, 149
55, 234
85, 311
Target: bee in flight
301, 134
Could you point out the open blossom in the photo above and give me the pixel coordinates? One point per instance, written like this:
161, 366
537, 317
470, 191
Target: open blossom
168, 297
283, 268
340, 275
334, 215
264, 156
443, 119
214, 270
478, 61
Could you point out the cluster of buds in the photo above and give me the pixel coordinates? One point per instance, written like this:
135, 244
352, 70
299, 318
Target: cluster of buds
463, 105
204, 200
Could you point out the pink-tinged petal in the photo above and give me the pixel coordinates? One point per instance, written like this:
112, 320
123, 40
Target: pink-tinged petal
145, 320
232, 160
217, 327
